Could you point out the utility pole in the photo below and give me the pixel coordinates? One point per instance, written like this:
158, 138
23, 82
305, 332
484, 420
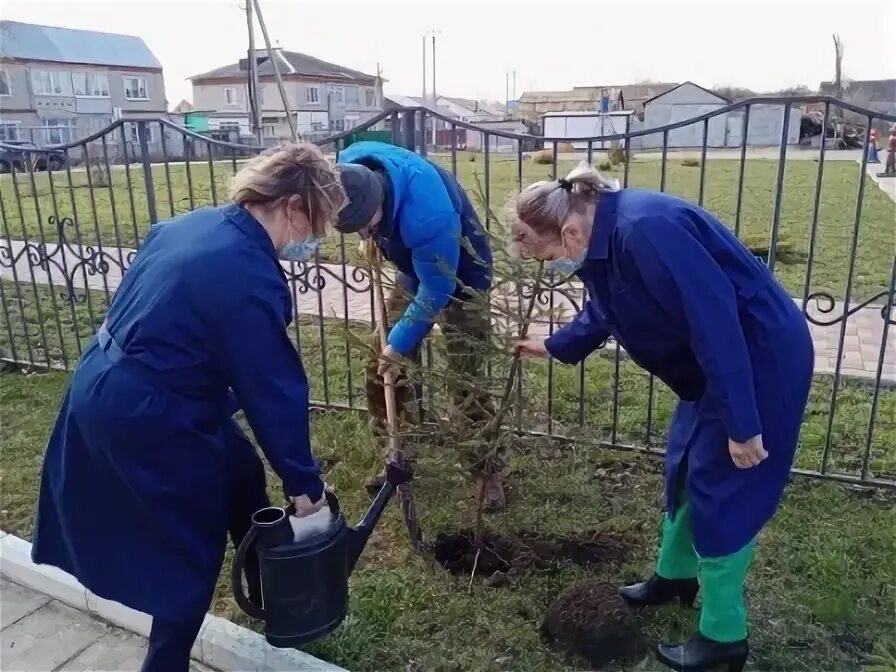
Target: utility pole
435, 100
252, 88
423, 99
506, 91
283, 97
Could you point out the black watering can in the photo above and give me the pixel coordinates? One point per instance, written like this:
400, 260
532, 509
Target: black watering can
304, 584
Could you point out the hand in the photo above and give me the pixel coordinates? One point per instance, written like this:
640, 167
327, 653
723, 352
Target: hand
304, 505
531, 348
390, 360
747, 454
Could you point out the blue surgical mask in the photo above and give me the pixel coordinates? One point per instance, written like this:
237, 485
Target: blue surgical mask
300, 251
567, 265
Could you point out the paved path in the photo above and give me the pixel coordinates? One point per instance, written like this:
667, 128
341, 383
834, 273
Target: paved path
39, 634
860, 354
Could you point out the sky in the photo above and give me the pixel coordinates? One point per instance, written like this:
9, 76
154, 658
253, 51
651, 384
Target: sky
557, 44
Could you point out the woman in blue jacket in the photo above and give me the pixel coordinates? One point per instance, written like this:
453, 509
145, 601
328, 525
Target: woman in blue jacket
423, 222
693, 306
146, 472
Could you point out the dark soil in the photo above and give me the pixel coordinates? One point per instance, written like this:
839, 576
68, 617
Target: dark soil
457, 552
590, 620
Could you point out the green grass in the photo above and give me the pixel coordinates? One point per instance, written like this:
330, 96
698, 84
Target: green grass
108, 215
821, 593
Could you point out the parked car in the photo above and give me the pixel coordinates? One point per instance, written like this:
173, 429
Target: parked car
29, 155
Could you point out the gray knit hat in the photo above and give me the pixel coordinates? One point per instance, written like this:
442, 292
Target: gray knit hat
365, 194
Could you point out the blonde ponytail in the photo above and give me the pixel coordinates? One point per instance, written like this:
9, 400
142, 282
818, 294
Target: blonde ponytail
544, 206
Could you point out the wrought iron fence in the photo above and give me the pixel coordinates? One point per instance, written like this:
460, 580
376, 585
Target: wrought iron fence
69, 233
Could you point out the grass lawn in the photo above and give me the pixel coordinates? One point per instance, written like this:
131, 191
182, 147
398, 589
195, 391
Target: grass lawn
822, 589
118, 215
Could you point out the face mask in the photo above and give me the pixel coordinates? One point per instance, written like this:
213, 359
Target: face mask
567, 265
300, 251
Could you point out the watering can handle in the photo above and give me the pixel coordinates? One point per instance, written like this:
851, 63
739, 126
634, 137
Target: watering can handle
332, 502
236, 577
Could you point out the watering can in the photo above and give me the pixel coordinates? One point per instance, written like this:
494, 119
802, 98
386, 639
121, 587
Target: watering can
304, 584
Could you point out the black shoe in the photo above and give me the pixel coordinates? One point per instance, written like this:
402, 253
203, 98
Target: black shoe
700, 653
657, 590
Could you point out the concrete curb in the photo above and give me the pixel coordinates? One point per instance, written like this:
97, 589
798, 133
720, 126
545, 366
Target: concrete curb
221, 645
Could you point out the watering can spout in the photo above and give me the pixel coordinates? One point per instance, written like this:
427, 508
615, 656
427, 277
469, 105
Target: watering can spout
396, 475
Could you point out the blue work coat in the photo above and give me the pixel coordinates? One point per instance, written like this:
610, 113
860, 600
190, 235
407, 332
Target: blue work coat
431, 233
146, 470
693, 306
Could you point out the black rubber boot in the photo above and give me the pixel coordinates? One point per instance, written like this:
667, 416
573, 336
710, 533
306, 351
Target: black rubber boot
656, 590
700, 653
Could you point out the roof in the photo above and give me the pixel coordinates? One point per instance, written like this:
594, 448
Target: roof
874, 90
702, 88
31, 42
289, 63
633, 95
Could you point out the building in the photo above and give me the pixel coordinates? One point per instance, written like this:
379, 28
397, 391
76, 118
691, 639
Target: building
533, 105
58, 85
586, 125
689, 101
324, 97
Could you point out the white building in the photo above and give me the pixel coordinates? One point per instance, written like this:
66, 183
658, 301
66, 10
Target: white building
585, 124
688, 101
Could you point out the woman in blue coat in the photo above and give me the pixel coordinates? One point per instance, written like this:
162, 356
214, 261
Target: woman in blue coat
693, 306
146, 472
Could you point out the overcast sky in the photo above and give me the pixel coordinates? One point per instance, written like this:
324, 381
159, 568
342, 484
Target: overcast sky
763, 45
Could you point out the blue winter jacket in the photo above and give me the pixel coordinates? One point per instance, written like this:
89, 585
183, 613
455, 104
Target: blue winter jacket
431, 233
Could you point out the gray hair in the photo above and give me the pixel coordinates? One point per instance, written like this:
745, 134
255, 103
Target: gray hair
544, 206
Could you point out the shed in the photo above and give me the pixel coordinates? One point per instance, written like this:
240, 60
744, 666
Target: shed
686, 101
585, 124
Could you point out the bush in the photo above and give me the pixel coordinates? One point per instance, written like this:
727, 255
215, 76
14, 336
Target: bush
691, 163
606, 166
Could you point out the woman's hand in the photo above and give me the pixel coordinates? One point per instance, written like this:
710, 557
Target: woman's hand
531, 348
304, 505
747, 454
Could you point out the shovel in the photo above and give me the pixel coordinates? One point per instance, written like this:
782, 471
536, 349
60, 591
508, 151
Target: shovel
396, 451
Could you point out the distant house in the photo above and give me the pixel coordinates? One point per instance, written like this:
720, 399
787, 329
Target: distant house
58, 85
324, 97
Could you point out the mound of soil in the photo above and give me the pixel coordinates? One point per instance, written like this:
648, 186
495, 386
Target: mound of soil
457, 552
590, 620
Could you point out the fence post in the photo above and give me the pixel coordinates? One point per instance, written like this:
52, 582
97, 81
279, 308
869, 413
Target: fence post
410, 130
423, 132
396, 128
147, 172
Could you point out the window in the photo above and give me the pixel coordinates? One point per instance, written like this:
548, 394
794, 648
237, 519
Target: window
268, 131
312, 94
5, 89
338, 94
337, 125
91, 84
135, 133
47, 83
58, 131
230, 126
135, 88
369, 97
9, 131
230, 95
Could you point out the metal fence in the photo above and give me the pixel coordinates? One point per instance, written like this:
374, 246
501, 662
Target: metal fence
68, 235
